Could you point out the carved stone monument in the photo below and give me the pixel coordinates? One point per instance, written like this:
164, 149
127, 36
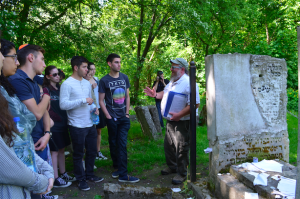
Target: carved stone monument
246, 108
146, 120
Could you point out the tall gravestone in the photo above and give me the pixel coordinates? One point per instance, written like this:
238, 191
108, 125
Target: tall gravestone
145, 118
246, 108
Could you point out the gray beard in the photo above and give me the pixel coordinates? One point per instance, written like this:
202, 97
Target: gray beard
176, 77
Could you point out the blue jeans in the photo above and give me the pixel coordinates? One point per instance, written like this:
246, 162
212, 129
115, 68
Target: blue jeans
84, 138
159, 113
117, 136
43, 154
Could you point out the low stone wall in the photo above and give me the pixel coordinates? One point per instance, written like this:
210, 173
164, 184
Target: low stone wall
113, 191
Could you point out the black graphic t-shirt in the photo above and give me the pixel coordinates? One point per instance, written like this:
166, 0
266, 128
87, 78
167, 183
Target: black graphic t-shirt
115, 90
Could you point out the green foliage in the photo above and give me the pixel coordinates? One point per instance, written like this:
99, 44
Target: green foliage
148, 33
293, 137
292, 99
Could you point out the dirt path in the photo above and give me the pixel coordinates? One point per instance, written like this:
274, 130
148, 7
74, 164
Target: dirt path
151, 178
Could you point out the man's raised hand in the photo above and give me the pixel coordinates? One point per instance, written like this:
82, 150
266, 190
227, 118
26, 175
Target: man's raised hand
150, 92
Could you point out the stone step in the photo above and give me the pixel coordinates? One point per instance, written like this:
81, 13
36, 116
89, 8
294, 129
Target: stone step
242, 175
200, 189
228, 187
113, 191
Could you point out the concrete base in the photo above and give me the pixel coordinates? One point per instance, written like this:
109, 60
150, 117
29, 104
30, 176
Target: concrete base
112, 191
200, 190
242, 175
228, 187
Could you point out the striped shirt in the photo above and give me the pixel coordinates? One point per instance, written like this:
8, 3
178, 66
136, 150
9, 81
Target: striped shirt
180, 86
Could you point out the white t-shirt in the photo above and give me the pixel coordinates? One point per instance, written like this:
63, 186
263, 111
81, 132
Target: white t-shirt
73, 94
180, 86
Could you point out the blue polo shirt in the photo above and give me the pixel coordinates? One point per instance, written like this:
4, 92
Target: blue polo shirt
26, 89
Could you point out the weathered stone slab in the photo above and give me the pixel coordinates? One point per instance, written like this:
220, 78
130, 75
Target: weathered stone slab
145, 119
155, 117
200, 190
246, 108
243, 176
228, 187
112, 191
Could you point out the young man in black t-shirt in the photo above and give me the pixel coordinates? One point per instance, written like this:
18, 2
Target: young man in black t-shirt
114, 88
159, 86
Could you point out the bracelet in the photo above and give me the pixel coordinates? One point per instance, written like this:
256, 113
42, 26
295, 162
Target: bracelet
155, 96
127, 114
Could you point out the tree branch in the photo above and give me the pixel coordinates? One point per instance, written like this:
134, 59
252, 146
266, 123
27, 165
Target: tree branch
50, 22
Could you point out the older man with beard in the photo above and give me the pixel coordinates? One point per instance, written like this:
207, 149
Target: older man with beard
177, 139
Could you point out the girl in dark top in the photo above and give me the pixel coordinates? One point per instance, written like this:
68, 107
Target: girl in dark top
60, 136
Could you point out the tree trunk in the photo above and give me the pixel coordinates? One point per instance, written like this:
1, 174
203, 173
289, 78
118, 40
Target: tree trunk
267, 34
23, 16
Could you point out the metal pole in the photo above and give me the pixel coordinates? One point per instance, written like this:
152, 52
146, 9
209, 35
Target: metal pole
298, 151
193, 121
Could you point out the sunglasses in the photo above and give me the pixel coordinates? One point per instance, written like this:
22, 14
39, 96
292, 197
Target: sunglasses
54, 74
173, 67
15, 56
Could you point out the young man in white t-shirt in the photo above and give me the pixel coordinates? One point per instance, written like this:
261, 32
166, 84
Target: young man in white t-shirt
75, 97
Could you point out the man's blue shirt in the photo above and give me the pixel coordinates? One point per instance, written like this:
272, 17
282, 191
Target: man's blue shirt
26, 89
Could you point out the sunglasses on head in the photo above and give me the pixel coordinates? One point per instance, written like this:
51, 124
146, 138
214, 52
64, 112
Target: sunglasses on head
54, 74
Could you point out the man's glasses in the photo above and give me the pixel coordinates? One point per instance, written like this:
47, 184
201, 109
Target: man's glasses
14, 56
173, 67
54, 74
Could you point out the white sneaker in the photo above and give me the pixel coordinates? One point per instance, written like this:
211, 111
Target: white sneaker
46, 196
100, 155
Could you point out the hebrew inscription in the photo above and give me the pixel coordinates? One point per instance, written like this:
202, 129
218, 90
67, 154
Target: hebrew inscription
268, 83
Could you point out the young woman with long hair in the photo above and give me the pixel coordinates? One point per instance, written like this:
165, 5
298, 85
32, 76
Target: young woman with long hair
16, 179
60, 136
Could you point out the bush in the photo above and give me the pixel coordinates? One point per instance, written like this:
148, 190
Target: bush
292, 104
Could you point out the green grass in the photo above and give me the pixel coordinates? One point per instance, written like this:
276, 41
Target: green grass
148, 153
144, 152
293, 137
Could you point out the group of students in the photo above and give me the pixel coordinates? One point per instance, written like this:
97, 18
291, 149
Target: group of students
55, 116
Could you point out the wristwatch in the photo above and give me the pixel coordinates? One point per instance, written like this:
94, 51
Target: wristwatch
50, 133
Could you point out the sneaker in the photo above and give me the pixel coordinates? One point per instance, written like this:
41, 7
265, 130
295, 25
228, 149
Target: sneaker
98, 158
95, 179
167, 171
101, 156
59, 182
115, 174
178, 179
82, 185
68, 178
128, 178
46, 196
